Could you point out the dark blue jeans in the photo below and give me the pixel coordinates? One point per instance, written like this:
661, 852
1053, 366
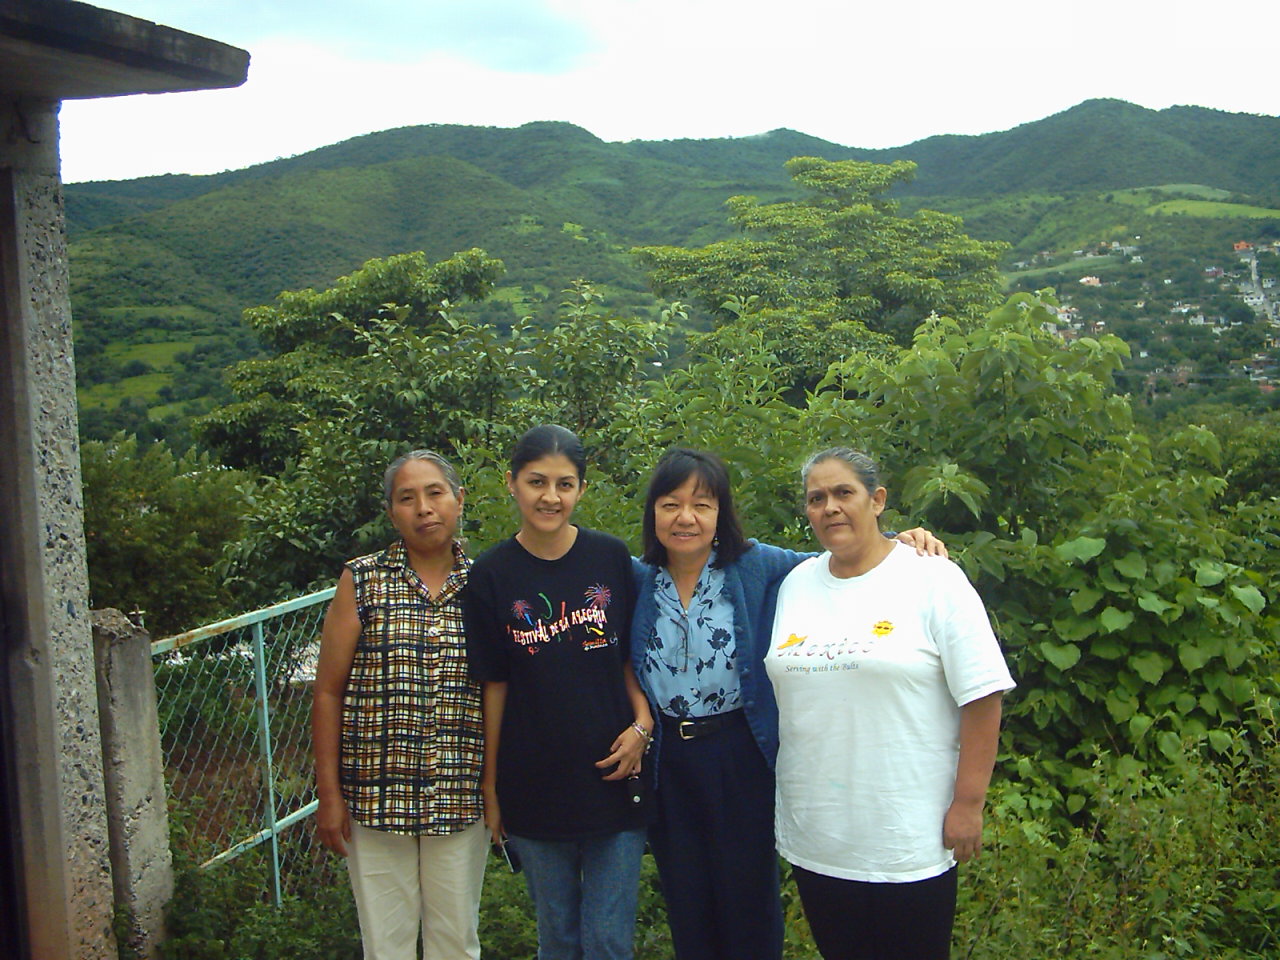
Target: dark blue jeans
712, 840
584, 892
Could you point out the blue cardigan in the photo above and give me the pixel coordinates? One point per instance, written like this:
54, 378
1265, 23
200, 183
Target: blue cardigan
752, 582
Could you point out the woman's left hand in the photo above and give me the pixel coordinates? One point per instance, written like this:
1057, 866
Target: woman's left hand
626, 756
926, 543
962, 830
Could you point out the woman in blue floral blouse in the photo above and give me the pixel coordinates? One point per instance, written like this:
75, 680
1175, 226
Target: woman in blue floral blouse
704, 611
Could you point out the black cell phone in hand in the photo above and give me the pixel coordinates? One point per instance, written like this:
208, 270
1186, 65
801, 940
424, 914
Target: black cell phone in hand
509, 854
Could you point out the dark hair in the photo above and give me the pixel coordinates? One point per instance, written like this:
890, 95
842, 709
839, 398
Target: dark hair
676, 466
548, 440
430, 456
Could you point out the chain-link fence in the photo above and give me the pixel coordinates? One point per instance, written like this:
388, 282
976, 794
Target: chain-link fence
234, 701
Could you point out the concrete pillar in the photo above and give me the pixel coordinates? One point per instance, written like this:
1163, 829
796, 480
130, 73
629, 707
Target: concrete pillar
49, 695
137, 817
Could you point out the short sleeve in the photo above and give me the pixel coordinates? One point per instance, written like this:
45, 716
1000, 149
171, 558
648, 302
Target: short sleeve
486, 658
626, 579
971, 657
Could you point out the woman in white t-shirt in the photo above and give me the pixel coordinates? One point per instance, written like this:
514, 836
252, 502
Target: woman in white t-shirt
888, 680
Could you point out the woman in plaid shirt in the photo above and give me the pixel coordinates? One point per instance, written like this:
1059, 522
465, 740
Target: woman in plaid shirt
396, 728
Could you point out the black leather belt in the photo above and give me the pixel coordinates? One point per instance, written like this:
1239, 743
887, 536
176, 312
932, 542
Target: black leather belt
691, 728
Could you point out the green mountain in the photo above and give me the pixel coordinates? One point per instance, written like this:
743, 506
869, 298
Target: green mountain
163, 266
1103, 145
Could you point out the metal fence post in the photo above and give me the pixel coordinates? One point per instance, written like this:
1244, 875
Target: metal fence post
268, 771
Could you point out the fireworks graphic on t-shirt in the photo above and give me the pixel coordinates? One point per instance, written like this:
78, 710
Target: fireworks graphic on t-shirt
598, 595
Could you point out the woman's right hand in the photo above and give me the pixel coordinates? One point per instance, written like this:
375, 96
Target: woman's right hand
333, 825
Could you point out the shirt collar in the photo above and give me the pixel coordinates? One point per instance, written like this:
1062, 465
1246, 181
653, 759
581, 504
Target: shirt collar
396, 556
710, 578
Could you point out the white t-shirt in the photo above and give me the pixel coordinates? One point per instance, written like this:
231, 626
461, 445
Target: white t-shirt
870, 673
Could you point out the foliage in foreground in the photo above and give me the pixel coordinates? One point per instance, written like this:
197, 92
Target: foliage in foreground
1179, 865
1176, 864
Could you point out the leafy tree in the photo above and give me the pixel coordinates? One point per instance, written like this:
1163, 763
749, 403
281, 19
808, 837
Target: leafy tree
312, 337
840, 254
589, 354
1008, 440
801, 345
729, 398
155, 529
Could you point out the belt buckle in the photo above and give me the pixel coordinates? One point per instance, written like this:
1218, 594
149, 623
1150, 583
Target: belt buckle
687, 730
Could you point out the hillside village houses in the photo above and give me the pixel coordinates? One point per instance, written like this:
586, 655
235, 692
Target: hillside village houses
1260, 294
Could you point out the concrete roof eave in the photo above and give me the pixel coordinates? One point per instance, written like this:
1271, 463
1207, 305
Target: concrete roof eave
64, 50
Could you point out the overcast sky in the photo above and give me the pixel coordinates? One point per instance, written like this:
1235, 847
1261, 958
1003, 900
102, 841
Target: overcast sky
855, 72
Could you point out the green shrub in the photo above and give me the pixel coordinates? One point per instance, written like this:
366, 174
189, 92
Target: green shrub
224, 913
1176, 864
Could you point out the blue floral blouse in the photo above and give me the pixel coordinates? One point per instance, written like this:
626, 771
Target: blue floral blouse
690, 655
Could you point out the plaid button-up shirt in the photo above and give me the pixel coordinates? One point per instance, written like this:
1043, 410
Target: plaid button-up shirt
412, 738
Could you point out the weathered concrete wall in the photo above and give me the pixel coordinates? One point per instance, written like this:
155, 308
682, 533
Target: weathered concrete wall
51, 696
137, 817
29, 134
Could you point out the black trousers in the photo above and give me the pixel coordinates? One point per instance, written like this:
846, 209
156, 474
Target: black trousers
712, 840
853, 920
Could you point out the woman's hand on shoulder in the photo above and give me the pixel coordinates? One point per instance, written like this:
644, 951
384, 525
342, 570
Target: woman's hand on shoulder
924, 541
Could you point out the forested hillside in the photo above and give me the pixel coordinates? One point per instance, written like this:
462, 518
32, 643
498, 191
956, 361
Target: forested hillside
1104, 145
163, 267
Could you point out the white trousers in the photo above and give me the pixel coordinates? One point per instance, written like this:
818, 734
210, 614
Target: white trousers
403, 883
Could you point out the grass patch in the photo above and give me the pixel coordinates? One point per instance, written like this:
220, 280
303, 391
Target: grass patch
1211, 209
1084, 265
158, 355
1194, 190
1145, 196
1190, 200
527, 224
147, 386
167, 409
156, 312
518, 299
1131, 198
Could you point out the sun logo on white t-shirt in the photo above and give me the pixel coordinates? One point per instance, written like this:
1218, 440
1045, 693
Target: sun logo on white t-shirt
882, 628
793, 641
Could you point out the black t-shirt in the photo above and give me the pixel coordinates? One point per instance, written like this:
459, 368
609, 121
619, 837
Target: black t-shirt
557, 632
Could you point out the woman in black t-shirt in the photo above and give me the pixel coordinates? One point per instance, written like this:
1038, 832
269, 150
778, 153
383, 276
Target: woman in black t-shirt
566, 725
